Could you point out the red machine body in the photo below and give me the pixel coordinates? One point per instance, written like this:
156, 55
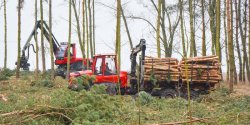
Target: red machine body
104, 68
61, 55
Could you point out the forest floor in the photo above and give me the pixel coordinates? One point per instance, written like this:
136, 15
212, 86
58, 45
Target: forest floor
242, 89
26, 101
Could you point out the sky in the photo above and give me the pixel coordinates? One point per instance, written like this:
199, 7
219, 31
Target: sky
105, 29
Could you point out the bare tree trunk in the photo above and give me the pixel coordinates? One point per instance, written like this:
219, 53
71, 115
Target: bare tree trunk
212, 24
243, 39
69, 41
87, 31
83, 28
244, 46
5, 36
90, 30
118, 40
19, 7
248, 75
50, 41
193, 51
118, 33
226, 42
203, 29
230, 44
237, 41
158, 30
218, 49
37, 63
93, 19
127, 29
233, 63
78, 28
182, 29
165, 44
42, 39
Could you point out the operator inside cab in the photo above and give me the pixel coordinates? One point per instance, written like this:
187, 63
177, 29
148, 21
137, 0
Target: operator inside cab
107, 69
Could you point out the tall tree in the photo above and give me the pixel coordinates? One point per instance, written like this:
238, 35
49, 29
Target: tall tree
230, 45
127, 29
42, 39
93, 19
78, 28
50, 41
237, 40
87, 31
5, 36
83, 28
37, 63
203, 29
69, 41
182, 29
118, 34
90, 30
218, 49
243, 40
225, 40
193, 51
158, 29
19, 7
248, 39
211, 13
245, 58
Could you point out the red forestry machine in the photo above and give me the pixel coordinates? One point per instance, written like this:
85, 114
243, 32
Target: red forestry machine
60, 53
104, 68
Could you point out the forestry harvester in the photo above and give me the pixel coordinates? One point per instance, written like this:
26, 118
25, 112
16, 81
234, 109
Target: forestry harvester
104, 69
59, 50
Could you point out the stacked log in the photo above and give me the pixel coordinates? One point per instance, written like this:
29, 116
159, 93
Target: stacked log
204, 69
161, 69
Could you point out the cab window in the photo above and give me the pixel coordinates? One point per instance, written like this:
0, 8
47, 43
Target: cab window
110, 67
98, 68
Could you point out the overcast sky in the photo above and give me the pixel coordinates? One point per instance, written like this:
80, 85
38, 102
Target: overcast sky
105, 28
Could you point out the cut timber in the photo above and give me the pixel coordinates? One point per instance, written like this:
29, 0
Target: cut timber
161, 69
204, 69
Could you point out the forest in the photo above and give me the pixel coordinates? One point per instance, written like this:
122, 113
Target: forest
191, 66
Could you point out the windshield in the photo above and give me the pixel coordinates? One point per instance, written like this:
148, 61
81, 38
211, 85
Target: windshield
60, 53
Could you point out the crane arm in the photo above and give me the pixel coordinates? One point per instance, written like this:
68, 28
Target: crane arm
141, 47
46, 30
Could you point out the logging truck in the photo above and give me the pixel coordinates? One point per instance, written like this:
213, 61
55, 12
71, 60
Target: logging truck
164, 77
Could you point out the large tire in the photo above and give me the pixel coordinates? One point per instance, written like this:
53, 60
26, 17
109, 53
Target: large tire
168, 93
193, 95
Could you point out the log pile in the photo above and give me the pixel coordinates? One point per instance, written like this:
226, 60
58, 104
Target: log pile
204, 69
161, 69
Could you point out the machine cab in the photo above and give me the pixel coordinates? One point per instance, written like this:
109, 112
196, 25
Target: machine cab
62, 51
105, 68
105, 65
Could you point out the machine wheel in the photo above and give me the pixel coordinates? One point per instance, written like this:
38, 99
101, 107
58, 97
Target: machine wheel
193, 95
168, 93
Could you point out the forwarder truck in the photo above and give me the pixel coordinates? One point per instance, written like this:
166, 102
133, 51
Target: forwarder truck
104, 69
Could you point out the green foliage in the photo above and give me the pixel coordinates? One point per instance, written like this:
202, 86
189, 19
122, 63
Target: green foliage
43, 83
199, 73
6, 73
152, 78
82, 82
59, 105
145, 98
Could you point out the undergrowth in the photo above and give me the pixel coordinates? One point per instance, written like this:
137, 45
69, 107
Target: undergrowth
40, 104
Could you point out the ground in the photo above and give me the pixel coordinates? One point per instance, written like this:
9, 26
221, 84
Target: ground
26, 101
242, 89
